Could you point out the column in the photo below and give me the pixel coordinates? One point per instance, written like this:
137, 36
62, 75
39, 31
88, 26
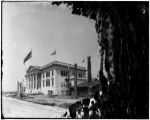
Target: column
33, 80
37, 80
29, 81
26, 82
55, 82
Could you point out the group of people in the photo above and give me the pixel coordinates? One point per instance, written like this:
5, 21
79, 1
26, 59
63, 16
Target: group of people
86, 108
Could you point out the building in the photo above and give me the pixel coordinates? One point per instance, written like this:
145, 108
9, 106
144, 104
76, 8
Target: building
50, 79
83, 85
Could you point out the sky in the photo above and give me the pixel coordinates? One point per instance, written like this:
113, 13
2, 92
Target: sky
43, 28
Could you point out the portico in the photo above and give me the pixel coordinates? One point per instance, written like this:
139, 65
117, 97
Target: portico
33, 79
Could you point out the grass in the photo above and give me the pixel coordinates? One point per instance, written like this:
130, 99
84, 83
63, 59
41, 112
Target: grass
64, 105
60, 101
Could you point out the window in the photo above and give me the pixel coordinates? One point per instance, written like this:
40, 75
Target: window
52, 73
64, 73
61, 73
80, 75
47, 82
47, 74
52, 81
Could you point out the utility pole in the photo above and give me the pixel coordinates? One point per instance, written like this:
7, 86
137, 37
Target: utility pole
75, 80
68, 81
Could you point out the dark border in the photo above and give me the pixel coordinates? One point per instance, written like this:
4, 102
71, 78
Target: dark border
2, 117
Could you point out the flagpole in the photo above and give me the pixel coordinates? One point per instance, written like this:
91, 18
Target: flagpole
32, 57
55, 57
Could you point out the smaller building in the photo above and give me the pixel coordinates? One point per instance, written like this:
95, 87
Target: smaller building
83, 86
79, 80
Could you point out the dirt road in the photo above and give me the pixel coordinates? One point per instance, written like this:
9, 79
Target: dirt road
14, 108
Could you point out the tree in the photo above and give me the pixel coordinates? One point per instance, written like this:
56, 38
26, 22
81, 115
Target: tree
123, 37
89, 74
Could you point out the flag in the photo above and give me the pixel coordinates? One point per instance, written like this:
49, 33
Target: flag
28, 56
54, 53
83, 61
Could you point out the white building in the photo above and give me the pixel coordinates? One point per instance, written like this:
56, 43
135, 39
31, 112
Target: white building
50, 79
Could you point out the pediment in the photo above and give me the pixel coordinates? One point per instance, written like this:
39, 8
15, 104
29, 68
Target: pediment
32, 68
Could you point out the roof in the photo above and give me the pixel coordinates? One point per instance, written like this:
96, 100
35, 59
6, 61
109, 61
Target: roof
37, 67
55, 63
86, 84
63, 64
72, 78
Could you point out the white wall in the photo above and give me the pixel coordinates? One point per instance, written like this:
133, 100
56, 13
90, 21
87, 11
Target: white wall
61, 79
44, 89
58, 79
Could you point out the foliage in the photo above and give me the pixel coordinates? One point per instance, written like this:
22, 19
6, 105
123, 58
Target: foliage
123, 37
89, 73
89, 69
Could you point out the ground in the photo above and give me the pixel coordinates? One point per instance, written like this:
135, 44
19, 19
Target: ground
14, 108
60, 101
